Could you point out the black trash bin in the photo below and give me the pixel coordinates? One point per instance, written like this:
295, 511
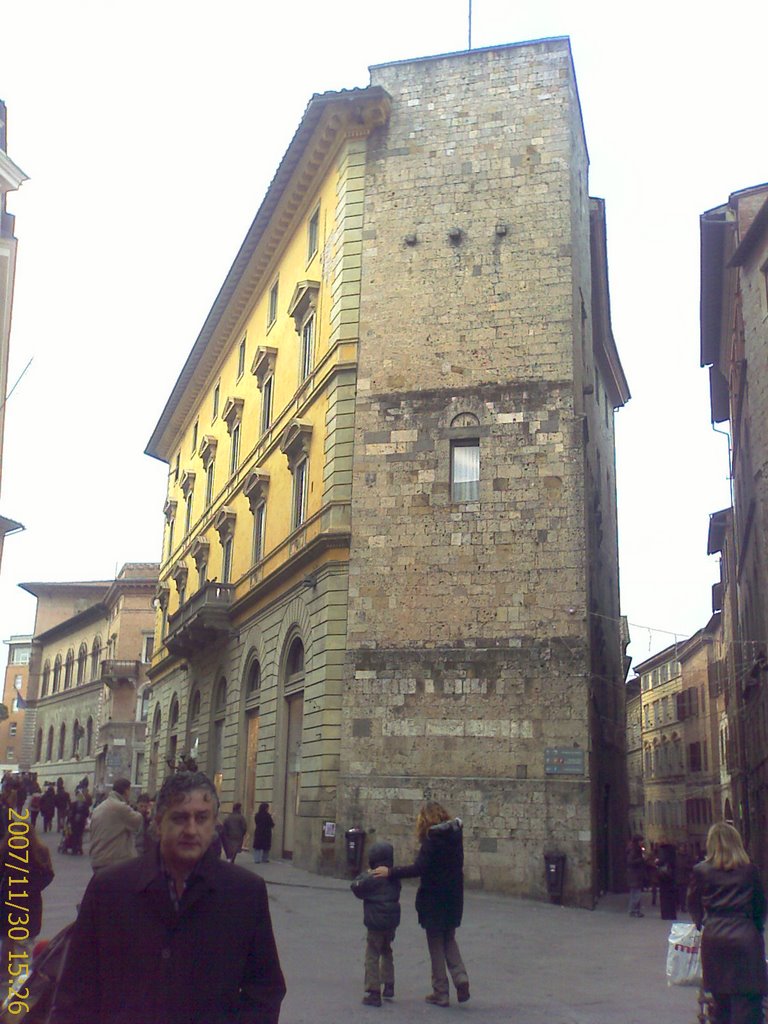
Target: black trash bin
554, 866
354, 842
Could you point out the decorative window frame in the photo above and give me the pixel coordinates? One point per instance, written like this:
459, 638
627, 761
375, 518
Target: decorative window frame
256, 488
224, 523
303, 303
207, 449
187, 482
263, 364
233, 413
180, 576
200, 551
295, 442
169, 510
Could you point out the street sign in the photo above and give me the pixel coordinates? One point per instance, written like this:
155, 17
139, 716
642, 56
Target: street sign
563, 761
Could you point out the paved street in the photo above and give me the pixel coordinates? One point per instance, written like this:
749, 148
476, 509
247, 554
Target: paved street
529, 963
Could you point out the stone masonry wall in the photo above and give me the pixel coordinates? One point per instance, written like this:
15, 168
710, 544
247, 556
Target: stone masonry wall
468, 643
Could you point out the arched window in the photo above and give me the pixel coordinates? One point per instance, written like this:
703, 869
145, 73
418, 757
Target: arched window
254, 678
95, 657
49, 745
62, 740
56, 673
194, 725
76, 737
46, 679
295, 664
89, 737
173, 730
69, 667
82, 658
157, 722
39, 745
217, 739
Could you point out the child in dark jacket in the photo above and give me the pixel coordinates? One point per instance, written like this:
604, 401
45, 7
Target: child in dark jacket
381, 916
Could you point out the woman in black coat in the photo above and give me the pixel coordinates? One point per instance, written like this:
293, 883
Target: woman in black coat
726, 896
440, 896
262, 834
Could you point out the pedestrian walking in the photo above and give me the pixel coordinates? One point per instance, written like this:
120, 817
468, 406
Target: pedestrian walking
34, 808
262, 834
144, 837
726, 899
683, 869
233, 832
177, 936
114, 825
48, 806
381, 916
440, 896
62, 804
635, 875
665, 873
77, 820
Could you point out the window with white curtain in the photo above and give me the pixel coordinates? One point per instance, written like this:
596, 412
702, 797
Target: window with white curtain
465, 470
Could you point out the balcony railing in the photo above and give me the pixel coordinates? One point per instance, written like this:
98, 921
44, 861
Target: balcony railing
202, 620
115, 671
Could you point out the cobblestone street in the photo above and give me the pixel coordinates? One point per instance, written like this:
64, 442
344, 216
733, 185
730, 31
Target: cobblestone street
529, 963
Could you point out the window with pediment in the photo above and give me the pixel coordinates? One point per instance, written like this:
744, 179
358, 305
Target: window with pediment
200, 552
263, 369
180, 574
302, 308
224, 524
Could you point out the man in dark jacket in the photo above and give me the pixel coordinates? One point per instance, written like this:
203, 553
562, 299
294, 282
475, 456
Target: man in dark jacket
381, 916
176, 936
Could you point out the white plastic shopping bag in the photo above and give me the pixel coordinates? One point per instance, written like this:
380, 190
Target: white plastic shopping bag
684, 955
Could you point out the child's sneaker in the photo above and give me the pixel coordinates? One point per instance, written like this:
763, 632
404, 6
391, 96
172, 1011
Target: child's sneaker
389, 992
372, 999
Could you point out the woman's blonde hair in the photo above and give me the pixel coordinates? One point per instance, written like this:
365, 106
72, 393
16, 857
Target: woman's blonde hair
724, 847
431, 813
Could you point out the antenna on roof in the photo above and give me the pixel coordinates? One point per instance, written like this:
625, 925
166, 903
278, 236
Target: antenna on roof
469, 43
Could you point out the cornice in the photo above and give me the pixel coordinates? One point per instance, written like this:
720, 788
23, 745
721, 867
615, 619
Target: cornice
328, 120
11, 176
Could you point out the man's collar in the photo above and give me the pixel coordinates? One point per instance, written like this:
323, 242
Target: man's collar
152, 870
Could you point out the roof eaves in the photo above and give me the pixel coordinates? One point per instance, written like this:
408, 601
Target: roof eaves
309, 121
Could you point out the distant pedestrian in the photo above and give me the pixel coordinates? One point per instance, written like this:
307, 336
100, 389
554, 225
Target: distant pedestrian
440, 896
683, 870
62, 805
262, 834
635, 875
726, 899
48, 807
34, 808
665, 873
77, 820
114, 825
144, 836
381, 916
233, 832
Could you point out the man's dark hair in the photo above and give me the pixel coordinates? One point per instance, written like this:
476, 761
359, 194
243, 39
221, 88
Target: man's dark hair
236, 808
121, 786
181, 784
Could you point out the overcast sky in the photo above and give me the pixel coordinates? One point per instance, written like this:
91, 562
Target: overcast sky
150, 131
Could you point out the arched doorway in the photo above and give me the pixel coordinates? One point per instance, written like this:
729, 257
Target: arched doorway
154, 752
252, 704
219, 717
293, 689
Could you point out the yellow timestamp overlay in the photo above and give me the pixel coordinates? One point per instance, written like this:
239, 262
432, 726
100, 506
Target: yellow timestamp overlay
16, 910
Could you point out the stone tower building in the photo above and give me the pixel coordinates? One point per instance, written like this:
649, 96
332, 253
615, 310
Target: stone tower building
484, 663
390, 557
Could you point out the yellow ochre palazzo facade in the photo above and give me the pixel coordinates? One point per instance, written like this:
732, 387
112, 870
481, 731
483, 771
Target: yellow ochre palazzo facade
258, 437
